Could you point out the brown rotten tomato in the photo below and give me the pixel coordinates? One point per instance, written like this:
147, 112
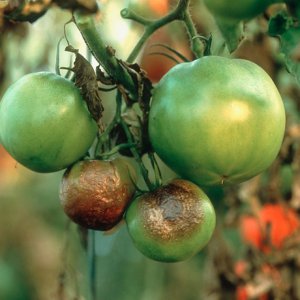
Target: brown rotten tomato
171, 223
95, 193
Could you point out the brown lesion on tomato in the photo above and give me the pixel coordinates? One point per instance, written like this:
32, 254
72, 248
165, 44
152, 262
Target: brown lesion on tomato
172, 211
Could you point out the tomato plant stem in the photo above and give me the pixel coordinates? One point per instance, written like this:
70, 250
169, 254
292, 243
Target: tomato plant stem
92, 263
180, 13
156, 169
103, 54
197, 45
133, 149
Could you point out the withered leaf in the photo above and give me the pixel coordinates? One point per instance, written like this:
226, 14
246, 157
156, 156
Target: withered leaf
144, 87
26, 11
86, 81
89, 6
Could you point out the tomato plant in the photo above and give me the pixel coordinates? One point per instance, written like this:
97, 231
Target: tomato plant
95, 193
215, 120
171, 223
44, 122
211, 119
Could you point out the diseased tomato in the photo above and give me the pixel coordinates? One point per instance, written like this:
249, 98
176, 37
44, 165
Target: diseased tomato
217, 120
275, 223
171, 223
95, 193
44, 122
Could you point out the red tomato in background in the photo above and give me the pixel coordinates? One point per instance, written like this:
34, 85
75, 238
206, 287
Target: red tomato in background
7, 167
242, 294
157, 65
241, 268
283, 223
6, 161
160, 7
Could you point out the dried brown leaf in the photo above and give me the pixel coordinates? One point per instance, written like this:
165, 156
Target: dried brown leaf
86, 81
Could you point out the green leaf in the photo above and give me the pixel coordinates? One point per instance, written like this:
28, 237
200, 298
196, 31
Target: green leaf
232, 32
287, 28
290, 41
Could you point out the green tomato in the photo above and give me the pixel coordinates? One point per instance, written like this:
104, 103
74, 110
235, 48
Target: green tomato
230, 14
95, 193
171, 223
44, 122
239, 10
217, 120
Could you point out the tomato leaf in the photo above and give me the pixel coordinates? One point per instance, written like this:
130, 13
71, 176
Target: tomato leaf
232, 33
287, 28
86, 81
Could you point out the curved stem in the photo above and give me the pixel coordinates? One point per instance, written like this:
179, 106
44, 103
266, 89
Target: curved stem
180, 13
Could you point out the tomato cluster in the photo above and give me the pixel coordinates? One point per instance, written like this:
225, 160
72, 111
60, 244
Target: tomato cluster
214, 121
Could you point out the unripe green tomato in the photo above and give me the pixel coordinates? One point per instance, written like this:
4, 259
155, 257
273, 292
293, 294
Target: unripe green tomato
95, 193
44, 122
217, 120
171, 223
237, 10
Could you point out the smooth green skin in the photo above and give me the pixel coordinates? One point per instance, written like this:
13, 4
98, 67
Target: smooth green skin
237, 10
217, 120
175, 250
44, 122
230, 14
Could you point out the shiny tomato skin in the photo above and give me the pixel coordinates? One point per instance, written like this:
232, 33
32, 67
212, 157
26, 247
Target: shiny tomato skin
44, 122
171, 223
238, 10
95, 193
217, 120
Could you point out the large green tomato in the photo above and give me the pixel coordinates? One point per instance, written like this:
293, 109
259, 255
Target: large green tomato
217, 120
237, 10
171, 223
44, 122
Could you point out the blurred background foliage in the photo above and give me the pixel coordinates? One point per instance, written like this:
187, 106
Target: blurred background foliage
43, 256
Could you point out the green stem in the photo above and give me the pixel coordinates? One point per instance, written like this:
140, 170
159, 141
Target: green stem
156, 169
133, 150
103, 54
196, 44
180, 13
92, 263
137, 157
104, 137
